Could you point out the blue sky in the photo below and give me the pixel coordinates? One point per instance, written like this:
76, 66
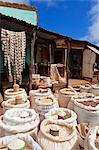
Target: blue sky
66, 17
78, 19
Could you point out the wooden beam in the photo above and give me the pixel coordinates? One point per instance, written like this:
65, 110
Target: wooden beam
33, 39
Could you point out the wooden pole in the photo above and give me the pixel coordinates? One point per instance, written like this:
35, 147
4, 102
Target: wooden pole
0, 30
33, 38
67, 62
0, 41
50, 59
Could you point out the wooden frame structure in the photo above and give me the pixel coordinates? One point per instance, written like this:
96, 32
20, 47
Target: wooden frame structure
34, 32
37, 33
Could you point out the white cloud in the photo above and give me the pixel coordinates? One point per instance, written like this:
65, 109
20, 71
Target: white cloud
93, 29
48, 2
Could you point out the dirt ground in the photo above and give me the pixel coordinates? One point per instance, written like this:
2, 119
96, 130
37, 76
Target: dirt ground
75, 82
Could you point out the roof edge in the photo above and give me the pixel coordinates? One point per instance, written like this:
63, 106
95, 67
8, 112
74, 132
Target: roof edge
91, 44
21, 22
86, 42
52, 32
18, 6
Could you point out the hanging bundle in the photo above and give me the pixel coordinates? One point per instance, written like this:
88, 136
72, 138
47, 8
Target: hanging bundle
10, 78
13, 45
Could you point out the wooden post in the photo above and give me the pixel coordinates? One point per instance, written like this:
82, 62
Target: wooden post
0, 41
33, 38
67, 61
50, 59
0, 30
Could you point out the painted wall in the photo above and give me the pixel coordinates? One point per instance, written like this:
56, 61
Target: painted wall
88, 62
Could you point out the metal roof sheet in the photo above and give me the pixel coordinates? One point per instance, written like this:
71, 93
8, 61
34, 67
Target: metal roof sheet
93, 49
28, 16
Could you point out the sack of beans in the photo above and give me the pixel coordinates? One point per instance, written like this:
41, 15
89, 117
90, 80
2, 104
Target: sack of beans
79, 96
87, 110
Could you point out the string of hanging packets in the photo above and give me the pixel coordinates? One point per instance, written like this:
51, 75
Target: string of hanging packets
13, 46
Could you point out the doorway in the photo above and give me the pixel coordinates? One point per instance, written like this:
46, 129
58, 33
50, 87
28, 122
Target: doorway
75, 63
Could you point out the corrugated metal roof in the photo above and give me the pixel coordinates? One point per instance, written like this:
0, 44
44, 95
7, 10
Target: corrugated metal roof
93, 49
28, 16
7, 21
13, 24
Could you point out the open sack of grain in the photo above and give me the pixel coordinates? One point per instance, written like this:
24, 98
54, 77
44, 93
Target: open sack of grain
58, 137
85, 88
38, 94
15, 91
15, 103
43, 105
79, 96
65, 95
87, 110
92, 139
62, 116
95, 89
19, 121
19, 141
